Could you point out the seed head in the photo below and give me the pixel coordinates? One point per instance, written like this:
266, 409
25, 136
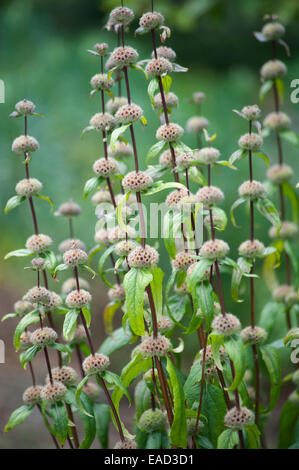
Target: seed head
171, 100
174, 198
25, 340
92, 390
102, 122
253, 335
124, 247
70, 284
21, 307
103, 167
76, 299
226, 325
31, 395
97, 363
185, 160
129, 113
164, 324
209, 359
165, 52
210, 372
102, 237
71, 244
66, 375
273, 31
117, 234
169, 132
281, 292
251, 249
74, 257
114, 104
166, 158
122, 56
191, 426
183, 260
277, 121
152, 420
250, 142
288, 231
101, 81
207, 155
122, 15
151, 20
159, 66
273, 69
101, 196
278, 174
28, 187
53, 392
151, 346
117, 293
24, 144
137, 181
237, 419
38, 243
38, 263
55, 300
252, 190
196, 124
143, 257
38, 295
292, 298
101, 48
25, 107
210, 195
69, 209
126, 444
120, 150
43, 336
198, 97
251, 112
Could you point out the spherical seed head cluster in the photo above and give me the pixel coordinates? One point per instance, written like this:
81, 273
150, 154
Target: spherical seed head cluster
120, 150
38, 263
166, 158
38, 243
66, 375
101, 81
117, 293
28, 187
71, 244
210, 195
251, 249
151, 20
124, 247
24, 144
114, 104
74, 257
25, 340
288, 231
169, 132
70, 284
21, 307
137, 181
122, 56
174, 198
105, 167
25, 107
102, 122
171, 100
183, 260
292, 298
253, 335
278, 174
237, 419
126, 444
69, 209
198, 97
281, 292
158, 346
273, 31
79, 335
31, 395
38, 295
185, 160
207, 155
43, 336
209, 359
277, 121
101, 48
211, 372
101, 196
252, 190
129, 113
53, 392
122, 15
251, 112
250, 142
92, 390
165, 52
55, 300
102, 237
273, 69
117, 234
196, 124
226, 325
143, 257
97, 363
159, 66
164, 324
78, 298
152, 420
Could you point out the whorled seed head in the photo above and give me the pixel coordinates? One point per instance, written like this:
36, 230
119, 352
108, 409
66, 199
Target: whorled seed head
209, 358
226, 325
292, 298
66, 375
38, 243
183, 260
43, 336
69, 209
117, 293
171, 100
198, 97
25, 340
102, 237
277, 121
124, 247
21, 307
137, 181
25, 107
120, 150
280, 293
251, 112
152, 420
211, 372
94, 364
122, 56
101, 81
31, 395
23, 144
38, 295
207, 155
28, 187
166, 158
166, 52
278, 174
101, 48
143, 257
251, 249
252, 190
164, 324
121, 15
288, 231
250, 141
210, 195
38, 263
75, 257
101, 196
70, 284
126, 444
238, 418
105, 167
273, 31
158, 346
117, 234
53, 392
185, 160
196, 124
158, 67
129, 113
151, 20
102, 122
273, 69
174, 198
78, 298
55, 301
114, 104
253, 335
169, 132
71, 244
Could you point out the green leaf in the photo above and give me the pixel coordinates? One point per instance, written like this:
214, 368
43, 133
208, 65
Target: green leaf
18, 253
79, 403
237, 155
166, 83
90, 186
119, 211
60, 422
169, 286
117, 340
116, 133
28, 355
290, 136
18, 416
70, 324
292, 334
135, 282
9, 315
216, 342
13, 202
47, 199
272, 361
265, 88
269, 211
87, 315
226, 163
228, 439
178, 432
101, 264
206, 302
89, 269
102, 418
253, 435
287, 425
243, 266
114, 379
151, 90
63, 348
236, 204
157, 289
154, 440
109, 312
263, 156
28, 319
198, 273
214, 408
236, 351
155, 149
291, 194
89, 422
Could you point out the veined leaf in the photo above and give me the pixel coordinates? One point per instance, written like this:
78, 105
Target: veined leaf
157, 290
117, 340
269, 211
102, 418
18, 253
161, 186
265, 88
290, 136
102, 261
236, 351
116, 133
28, 355
228, 439
198, 273
166, 83
119, 211
69, 324
292, 334
155, 149
287, 425
18, 416
291, 194
60, 422
90, 186
236, 204
178, 432
272, 361
216, 342
47, 199
114, 379
28, 319
151, 90
13, 202
263, 156
109, 312
253, 435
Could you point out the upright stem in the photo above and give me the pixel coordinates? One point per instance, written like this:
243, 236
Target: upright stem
201, 388
119, 426
73, 428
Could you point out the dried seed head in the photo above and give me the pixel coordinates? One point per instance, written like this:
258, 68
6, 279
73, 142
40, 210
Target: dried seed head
165, 52
92, 390
25, 340
166, 158
114, 104
218, 217
103, 167
277, 121
126, 444
25, 107
124, 247
66, 375
226, 325
28, 187
31, 395
251, 249
69, 209
122, 56
191, 426
70, 284
169, 132
38, 243
164, 324
278, 174
21, 307
173, 199
71, 244
171, 100
210, 195
237, 419
250, 142
288, 231
143, 257
273, 31
281, 292
207, 155
253, 335
78, 298
102, 236
137, 181
159, 66
122, 15
74, 257
209, 359
251, 112
101, 48
151, 346
252, 190
129, 113
152, 420
117, 293
151, 20
198, 97
55, 300
183, 260
117, 234
53, 392
38, 295
24, 144
97, 363
185, 160
196, 124
101, 196
101, 81
43, 336
102, 122
273, 69
120, 150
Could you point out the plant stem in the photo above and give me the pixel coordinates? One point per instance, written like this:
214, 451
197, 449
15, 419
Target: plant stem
162, 381
119, 426
201, 389
73, 428
53, 437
